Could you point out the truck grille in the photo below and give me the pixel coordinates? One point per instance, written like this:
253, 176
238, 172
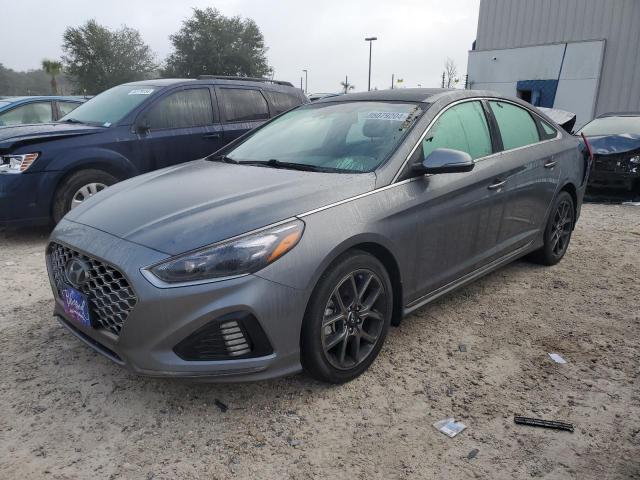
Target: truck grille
110, 296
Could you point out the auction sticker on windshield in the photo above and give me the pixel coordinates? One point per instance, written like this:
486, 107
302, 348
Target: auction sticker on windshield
141, 91
396, 116
76, 306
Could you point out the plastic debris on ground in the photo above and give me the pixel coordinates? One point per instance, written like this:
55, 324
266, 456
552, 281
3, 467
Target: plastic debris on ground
449, 426
222, 406
473, 453
462, 347
538, 422
557, 358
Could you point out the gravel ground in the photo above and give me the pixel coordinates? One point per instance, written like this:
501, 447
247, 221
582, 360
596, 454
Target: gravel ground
66, 412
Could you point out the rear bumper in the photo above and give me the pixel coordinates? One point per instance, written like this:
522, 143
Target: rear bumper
25, 198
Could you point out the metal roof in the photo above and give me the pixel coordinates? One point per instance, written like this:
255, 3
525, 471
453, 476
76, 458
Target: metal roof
397, 94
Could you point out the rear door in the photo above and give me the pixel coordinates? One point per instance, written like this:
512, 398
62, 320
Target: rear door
529, 172
241, 109
178, 127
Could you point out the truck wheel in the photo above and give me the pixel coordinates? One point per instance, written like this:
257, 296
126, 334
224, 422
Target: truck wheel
76, 188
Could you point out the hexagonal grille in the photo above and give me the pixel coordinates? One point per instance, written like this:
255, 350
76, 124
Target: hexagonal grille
109, 293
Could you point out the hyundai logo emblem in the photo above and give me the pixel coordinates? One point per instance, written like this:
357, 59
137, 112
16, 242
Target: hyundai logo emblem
77, 272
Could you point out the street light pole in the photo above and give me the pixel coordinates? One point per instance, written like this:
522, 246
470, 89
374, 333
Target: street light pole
370, 40
305, 81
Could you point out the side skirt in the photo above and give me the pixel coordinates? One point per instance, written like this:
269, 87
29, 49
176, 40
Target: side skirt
468, 278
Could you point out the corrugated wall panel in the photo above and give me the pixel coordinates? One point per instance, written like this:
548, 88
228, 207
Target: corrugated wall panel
517, 23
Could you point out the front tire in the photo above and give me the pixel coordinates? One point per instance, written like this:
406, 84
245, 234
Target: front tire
347, 319
77, 188
557, 233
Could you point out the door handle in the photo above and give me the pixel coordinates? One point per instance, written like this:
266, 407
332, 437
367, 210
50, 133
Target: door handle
212, 135
498, 184
550, 164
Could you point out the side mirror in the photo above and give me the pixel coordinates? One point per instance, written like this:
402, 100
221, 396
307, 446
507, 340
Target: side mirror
143, 127
446, 160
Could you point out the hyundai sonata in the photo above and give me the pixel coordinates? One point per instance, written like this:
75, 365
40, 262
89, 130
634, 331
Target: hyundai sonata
298, 245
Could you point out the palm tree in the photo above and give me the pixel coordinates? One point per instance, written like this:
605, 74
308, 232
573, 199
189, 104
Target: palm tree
346, 86
53, 68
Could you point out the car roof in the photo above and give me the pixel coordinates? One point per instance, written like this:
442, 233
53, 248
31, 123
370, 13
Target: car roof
619, 114
167, 82
396, 94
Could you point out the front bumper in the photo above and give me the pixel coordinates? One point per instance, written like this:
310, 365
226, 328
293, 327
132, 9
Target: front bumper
163, 317
614, 171
25, 198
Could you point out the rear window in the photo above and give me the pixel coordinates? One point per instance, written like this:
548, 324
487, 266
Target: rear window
517, 127
282, 102
242, 104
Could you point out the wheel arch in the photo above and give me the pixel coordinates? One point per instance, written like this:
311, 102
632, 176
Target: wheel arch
381, 252
570, 188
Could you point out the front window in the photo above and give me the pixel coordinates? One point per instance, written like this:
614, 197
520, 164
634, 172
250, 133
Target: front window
339, 137
612, 126
110, 106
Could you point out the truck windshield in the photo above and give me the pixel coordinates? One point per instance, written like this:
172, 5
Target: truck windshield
111, 105
339, 137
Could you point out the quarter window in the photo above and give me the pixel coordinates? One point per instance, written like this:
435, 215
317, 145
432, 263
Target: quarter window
242, 105
548, 132
37, 112
462, 127
281, 101
516, 125
183, 109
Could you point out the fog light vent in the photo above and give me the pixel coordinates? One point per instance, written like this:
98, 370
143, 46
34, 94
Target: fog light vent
234, 339
234, 336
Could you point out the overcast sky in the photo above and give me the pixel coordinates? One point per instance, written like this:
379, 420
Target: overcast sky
326, 37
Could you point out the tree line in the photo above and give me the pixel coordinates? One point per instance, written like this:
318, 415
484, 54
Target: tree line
96, 58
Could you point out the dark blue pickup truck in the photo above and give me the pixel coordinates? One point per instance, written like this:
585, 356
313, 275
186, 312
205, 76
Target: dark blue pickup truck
48, 169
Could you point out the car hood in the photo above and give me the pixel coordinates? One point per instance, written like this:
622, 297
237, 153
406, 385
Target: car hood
614, 144
23, 134
202, 202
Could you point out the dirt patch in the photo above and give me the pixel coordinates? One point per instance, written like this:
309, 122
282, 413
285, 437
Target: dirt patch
69, 413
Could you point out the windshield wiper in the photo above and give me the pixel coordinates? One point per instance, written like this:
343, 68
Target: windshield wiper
71, 120
286, 165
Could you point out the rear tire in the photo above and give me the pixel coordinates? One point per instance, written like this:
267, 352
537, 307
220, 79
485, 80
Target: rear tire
347, 319
78, 187
557, 233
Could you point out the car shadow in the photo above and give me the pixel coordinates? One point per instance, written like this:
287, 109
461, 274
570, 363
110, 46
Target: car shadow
19, 235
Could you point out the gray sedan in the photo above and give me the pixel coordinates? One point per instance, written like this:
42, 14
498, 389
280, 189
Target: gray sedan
297, 245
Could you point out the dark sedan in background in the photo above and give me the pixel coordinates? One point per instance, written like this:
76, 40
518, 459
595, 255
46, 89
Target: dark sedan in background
615, 141
36, 109
299, 244
48, 169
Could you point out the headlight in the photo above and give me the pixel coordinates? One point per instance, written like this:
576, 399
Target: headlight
239, 256
16, 163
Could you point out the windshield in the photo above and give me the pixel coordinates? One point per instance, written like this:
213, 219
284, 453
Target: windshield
111, 105
612, 126
342, 137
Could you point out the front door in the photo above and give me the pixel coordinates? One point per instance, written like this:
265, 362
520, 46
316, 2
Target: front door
179, 127
456, 213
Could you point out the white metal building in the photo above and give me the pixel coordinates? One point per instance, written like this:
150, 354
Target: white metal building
577, 55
